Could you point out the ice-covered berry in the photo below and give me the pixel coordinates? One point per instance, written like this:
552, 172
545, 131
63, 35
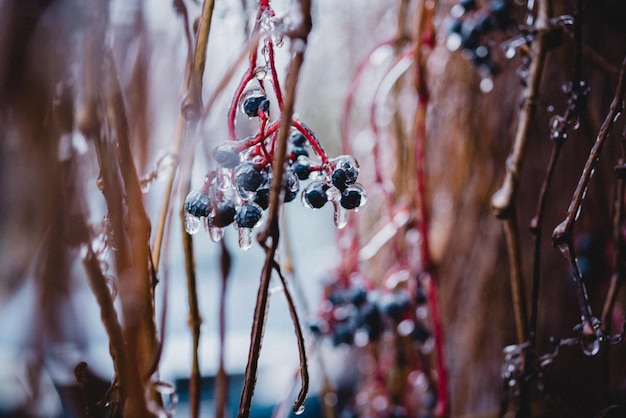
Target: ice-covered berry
314, 196
262, 197
255, 103
352, 197
248, 215
298, 139
345, 173
197, 204
247, 178
226, 155
302, 168
223, 214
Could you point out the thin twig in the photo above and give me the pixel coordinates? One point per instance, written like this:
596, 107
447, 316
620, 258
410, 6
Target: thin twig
269, 236
304, 370
562, 233
191, 107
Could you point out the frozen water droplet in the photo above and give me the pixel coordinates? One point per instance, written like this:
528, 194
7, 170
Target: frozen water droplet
550, 108
261, 72
145, 186
192, 223
341, 216
215, 233
245, 238
224, 181
578, 213
165, 165
300, 410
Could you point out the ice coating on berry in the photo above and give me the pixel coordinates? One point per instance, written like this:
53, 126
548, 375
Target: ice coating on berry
301, 168
314, 196
223, 214
346, 171
197, 204
248, 179
353, 197
245, 238
192, 223
291, 185
226, 155
298, 139
248, 215
254, 103
262, 197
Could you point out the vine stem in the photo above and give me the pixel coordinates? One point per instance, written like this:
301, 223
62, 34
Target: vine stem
563, 232
503, 201
424, 41
619, 267
192, 104
269, 236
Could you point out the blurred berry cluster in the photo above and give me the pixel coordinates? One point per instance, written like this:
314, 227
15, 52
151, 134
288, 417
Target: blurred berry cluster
471, 26
356, 316
237, 191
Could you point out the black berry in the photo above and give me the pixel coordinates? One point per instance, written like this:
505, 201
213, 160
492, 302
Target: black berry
253, 104
298, 139
226, 155
301, 168
223, 214
197, 204
248, 215
315, 196
247, 177
345, 173
350, 198
262, 197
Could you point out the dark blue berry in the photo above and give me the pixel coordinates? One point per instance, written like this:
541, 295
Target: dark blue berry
226, 156
298, 139
350, 198
223, 214
301, 169
346, 171
290, 195
394, 305
197, 204
372, 322
316, 197
421, 297
248, 177
248, 215
262, 197
253, 104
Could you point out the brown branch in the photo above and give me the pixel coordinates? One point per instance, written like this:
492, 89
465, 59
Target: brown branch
192, 104
269, 236
562, 233
117, 345
503, 201
298, 405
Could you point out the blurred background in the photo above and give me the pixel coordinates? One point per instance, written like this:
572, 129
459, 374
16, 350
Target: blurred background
51, 199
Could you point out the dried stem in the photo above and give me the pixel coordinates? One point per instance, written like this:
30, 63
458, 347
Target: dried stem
304, 370
192, 104
619, 252
269, 236
503, 200
221, 385
108, 314
563, 232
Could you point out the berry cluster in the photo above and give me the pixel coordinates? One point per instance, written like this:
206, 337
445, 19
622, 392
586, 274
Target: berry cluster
470, 27
237, 191
355, 316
